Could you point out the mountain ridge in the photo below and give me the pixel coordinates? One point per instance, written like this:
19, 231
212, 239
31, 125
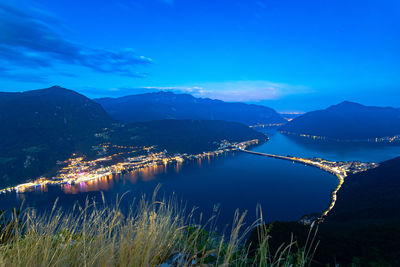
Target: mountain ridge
41, 127
347, 121
168, 105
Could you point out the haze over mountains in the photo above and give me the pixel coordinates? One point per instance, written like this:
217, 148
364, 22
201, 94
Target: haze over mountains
348, 121
167, 105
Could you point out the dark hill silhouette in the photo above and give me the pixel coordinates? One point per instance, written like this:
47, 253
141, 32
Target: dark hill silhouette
369, 196
49, 113
365, 222
348, 121
42, 126
184, 136
167, 105
363, 228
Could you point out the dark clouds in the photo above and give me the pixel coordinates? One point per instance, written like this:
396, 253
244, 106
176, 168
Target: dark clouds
28, 40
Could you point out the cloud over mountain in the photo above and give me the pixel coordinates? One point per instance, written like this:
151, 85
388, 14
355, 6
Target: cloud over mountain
238, 91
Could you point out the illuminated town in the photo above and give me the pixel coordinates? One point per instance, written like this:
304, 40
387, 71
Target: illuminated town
269, 125
78, 169
387, 139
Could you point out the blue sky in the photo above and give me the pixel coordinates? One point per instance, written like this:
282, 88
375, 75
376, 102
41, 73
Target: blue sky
290, 55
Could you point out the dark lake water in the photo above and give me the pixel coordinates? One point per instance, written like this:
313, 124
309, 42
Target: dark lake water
334, 151
285, 190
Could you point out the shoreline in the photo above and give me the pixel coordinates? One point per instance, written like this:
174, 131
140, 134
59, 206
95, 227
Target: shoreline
395, 140
337, 169
130, 164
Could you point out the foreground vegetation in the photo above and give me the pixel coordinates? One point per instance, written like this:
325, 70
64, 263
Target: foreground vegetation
154, 233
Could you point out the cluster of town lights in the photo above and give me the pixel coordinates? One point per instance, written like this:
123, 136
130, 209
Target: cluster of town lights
387, 139
78, 170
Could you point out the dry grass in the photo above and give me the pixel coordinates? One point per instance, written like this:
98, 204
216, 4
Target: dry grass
157, 233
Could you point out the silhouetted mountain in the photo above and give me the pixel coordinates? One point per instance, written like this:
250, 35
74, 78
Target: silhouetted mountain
167, 105
364, 225
363, 228
184, 136
348, 121
42, 126
370, 196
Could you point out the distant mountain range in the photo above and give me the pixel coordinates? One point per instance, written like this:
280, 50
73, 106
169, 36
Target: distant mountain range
347, 121
40, 127
167, 105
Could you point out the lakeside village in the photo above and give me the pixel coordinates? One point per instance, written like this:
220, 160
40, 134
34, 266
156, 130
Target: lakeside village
78, 170
387, 139
344, 167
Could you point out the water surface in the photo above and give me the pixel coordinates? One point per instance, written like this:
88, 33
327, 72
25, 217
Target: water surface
285, 190
330, 150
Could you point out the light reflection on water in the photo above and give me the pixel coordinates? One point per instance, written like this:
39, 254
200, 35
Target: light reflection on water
102, 184
234, 180
335, 151
286, 191
106, 183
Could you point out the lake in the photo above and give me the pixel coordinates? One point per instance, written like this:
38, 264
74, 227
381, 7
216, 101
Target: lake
285, 190
330, 150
